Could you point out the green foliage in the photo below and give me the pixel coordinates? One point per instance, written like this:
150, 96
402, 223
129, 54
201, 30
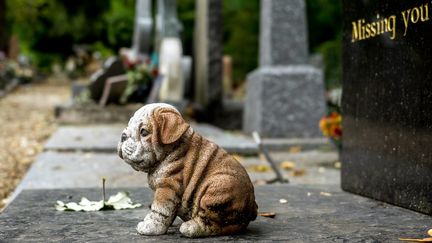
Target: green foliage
120, 23
241, 34
49, 29
325, 36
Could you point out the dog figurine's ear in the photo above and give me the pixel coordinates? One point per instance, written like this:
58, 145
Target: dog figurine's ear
171, 125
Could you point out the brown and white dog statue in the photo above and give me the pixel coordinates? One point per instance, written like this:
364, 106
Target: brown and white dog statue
192, 177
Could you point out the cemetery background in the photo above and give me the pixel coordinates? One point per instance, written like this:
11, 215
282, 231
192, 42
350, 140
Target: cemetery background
96, 54
36, 33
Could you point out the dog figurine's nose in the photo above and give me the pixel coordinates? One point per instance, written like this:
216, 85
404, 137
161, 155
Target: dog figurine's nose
123, 137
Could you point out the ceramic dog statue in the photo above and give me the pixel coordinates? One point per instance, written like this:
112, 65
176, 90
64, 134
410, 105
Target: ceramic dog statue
192, 177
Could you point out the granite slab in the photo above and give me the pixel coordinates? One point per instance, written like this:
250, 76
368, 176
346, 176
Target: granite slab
104, 138
386, 103
54, 170
308, 216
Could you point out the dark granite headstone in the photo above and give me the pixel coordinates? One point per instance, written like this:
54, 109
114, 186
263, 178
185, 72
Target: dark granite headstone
387, 101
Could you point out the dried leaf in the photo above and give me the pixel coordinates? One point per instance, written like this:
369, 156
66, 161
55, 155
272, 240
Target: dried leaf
298, 172
259, 168
337, 164
417, 240
288, 165
325, 194
267, 214
295, 149
117, 202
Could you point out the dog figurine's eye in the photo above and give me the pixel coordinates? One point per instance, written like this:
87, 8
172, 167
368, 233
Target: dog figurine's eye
123, 137
144, 132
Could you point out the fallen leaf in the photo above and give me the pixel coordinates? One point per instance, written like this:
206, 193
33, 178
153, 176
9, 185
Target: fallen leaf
429, 232
337, 164
325, 194
417, 240
298, 172
259, 168
288, 165
295, 149
116, 202
283, 201
267, 214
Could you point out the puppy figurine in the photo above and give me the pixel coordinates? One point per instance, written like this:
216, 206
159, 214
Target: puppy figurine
192, 177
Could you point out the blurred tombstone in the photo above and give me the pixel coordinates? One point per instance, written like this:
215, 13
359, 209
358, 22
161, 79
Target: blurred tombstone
167, 23
174, 68
285, 95
227, 76
113, 66
142, 35
114, 88
187, 75
208, 52
170, 66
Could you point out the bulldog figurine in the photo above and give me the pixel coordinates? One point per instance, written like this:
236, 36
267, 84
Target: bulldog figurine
192, 177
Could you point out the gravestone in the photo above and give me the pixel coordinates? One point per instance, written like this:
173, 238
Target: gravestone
167, 23
143, 27
113, 66
208, 52
285, 95
171, 68
387, 101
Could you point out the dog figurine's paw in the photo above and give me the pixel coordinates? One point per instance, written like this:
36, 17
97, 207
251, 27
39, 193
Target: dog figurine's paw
192, 229
150, 227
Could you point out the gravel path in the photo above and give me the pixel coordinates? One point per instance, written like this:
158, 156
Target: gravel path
26, 122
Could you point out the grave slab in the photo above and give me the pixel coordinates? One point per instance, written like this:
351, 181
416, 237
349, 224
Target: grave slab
308, 216
55, 170
104, 138
59, 170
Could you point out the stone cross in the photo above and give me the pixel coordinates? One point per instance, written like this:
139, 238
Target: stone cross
283, 38
142, 36
285, 96
167, 23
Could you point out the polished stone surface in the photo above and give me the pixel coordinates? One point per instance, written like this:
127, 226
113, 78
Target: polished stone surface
308, 216
387, 106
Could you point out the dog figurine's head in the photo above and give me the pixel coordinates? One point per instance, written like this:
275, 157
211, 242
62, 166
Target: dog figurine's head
150, 135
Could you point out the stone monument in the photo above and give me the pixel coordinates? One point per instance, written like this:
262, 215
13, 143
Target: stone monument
285, 95
170, 50
386, 102
142, 36
208, 52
